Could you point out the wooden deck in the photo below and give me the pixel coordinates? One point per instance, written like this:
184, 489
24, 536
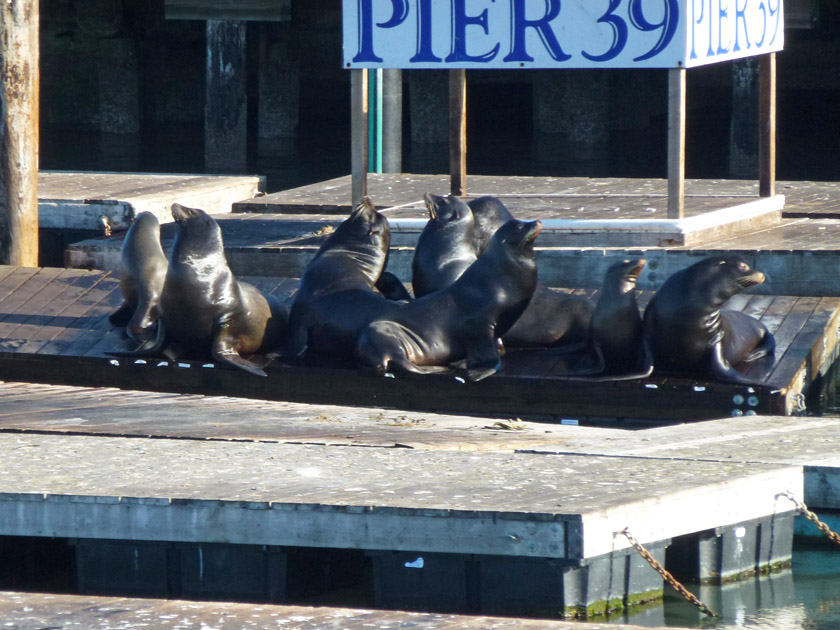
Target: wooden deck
54, 329
800, 254
79, 201
33, 611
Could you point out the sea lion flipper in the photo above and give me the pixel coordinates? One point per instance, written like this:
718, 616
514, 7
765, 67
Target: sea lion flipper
237, 361
144, 318
722, 370
150, 348
224, 350
767, 347
483, 358
122, 315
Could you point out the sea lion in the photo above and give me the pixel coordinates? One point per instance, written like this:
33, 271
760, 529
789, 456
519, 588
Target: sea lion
446, 246
615, 331
203, 307
142, 272
489, 214
461, 323
336, 297
687, 330
552, 318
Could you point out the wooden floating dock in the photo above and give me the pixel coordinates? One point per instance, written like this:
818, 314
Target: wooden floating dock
83, 200
444, 530
35, 611
277, 234
436, 521
54, 329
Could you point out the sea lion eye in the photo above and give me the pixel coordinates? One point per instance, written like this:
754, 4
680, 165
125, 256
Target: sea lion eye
743, 267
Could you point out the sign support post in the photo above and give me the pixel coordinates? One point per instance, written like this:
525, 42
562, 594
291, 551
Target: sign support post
359, 133
676, 143
767, 126
458, 131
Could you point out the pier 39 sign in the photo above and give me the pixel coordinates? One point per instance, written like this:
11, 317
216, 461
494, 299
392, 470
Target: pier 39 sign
557, 33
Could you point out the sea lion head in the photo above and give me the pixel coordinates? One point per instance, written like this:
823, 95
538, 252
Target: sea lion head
449, 209
717, 278
624, 274
517, 236
197, 230
364, 237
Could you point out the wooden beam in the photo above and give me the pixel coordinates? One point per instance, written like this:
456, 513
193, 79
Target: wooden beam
262, 10
767, 126
358, 133
676, 143
458, 132
226, 102
19, 108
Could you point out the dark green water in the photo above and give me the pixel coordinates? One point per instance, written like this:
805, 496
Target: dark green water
805, 597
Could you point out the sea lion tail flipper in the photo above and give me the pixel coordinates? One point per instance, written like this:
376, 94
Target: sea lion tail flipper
150, 348
141, 323
232, 358
721, 369
483, 357
224, 350
121, 316
478, 372
767, 347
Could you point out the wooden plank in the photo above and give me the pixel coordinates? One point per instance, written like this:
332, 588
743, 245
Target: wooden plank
95, 324
19, 95
11, 281
25, 291
796, 337
40, 309
773, 317
262, 10
90, 310
767, 126
57, 318
676, 143
458, 132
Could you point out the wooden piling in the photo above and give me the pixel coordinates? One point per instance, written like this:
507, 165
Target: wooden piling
676, 143
358, 133
458, 131
19, 41
226, 106
767, 126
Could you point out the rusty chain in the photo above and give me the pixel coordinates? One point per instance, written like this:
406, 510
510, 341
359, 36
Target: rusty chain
657, 566
803, 509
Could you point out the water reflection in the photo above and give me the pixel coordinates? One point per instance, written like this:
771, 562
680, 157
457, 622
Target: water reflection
805, 597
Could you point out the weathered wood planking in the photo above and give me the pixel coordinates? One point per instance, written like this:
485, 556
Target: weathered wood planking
109, 411
36, 611
54, 328
79, 201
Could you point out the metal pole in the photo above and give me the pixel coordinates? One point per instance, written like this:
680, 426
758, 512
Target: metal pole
19, 112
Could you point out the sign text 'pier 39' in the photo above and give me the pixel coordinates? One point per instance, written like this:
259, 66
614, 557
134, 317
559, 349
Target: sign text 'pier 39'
557, 33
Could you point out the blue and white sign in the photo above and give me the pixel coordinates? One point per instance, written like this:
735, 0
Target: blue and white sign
557, 33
